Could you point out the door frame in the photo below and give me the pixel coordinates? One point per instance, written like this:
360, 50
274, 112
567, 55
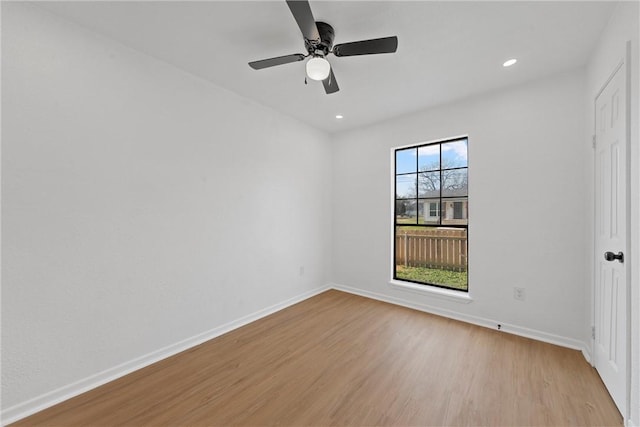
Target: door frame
624, 64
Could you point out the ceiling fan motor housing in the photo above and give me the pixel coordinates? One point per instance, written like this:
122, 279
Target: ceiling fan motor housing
326, 39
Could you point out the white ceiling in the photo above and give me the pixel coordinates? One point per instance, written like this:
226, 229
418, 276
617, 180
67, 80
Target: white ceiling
446, 50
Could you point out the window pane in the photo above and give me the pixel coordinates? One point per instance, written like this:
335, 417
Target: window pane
455, 212
454, 154
432, 255
454, 183
429, 211
406, 212
429, 184
406, 186
406, 160
429, 157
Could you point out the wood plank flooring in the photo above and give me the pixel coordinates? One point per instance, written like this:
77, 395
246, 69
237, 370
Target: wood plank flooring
340, 359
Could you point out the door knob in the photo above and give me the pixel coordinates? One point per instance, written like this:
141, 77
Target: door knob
610, 256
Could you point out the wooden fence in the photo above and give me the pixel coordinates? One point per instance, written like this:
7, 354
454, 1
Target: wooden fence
432, 248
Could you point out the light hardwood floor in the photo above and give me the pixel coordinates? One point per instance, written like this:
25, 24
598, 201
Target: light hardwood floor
340, 359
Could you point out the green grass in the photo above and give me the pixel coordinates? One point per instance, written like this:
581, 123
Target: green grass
409, 220
403, 222
452, 279
403, 228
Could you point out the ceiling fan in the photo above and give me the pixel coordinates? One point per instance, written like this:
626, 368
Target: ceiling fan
318, 40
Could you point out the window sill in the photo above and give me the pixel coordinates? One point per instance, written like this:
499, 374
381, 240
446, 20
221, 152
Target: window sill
448, 294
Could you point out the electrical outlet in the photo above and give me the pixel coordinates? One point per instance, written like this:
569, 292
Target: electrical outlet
519, 294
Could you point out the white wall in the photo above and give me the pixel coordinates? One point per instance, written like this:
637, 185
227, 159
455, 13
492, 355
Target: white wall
141, 205
611, 49
527, 204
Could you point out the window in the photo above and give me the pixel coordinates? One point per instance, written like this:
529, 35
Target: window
457, 210
434, 210
431, 214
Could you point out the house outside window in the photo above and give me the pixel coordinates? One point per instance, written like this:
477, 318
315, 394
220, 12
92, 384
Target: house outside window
431, 214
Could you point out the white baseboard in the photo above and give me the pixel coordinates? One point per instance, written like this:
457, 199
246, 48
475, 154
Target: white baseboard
480, 321
61, 394
587, 354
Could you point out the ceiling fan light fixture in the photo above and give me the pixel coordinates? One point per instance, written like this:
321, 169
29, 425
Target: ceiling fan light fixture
318, 68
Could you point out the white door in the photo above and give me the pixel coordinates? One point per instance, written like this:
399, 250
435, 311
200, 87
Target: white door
610, 355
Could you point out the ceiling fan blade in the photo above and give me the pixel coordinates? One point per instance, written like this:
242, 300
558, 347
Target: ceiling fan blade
271, 62
302, 13
330, 84
367, 47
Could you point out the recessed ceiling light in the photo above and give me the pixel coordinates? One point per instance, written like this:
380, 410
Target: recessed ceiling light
339, 116
510, 62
